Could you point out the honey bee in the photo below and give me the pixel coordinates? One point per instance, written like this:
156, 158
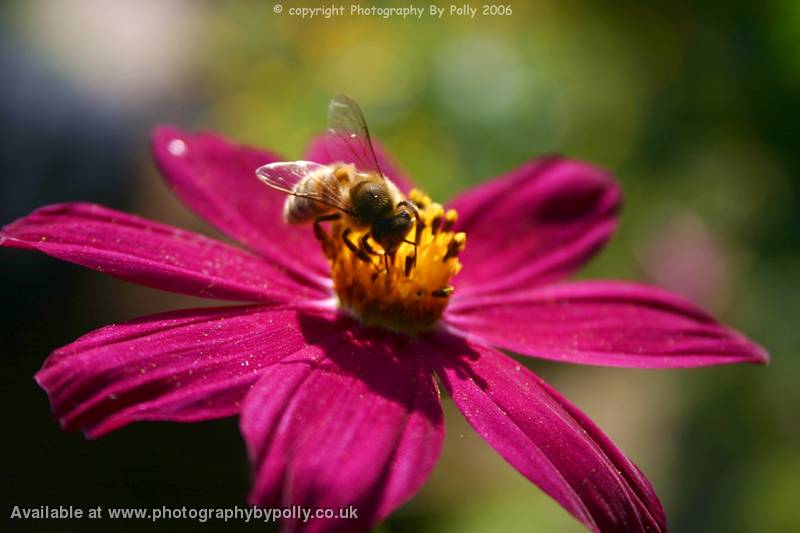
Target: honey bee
353, 190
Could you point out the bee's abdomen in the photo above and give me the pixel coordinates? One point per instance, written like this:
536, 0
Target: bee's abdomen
299, 210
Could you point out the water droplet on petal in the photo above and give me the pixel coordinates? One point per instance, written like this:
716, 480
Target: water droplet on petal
176, 147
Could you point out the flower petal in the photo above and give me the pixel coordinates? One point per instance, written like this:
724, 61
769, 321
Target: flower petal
152, 254
217, 179
540, 222
605, 323
318, 153
546, 438
186, 365
353, 420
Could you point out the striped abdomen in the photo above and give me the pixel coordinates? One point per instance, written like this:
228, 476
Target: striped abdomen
299, 209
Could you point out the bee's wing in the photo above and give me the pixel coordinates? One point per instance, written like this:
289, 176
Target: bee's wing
348, 140
285, 176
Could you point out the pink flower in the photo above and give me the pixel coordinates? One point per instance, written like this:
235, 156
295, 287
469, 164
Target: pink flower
335, 413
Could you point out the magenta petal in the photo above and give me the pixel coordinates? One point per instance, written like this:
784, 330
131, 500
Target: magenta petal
546, 438
318, 153
217, 179
152, 254
353, 420
540, 222
184, 366
604, 323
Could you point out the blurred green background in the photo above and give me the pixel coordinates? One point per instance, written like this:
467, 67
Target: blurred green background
694, 106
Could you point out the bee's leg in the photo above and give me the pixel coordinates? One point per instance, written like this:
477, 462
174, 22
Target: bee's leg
323, 237
418, 227
364, 245
358, 252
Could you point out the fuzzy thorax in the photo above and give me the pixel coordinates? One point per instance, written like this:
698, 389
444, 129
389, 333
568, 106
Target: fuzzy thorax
413, 294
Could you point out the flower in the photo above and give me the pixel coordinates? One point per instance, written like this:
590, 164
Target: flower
335, 412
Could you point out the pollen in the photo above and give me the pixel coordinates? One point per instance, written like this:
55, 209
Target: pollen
412, 293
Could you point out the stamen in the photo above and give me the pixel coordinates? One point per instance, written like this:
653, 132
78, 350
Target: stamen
444, 292
437, 222
455, 246
449, 219
412, 290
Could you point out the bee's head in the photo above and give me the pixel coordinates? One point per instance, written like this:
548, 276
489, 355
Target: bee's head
390, 231
371, 201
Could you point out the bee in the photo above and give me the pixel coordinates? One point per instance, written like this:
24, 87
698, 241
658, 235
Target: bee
353, 190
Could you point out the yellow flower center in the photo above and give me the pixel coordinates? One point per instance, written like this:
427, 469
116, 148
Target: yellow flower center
414, 292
